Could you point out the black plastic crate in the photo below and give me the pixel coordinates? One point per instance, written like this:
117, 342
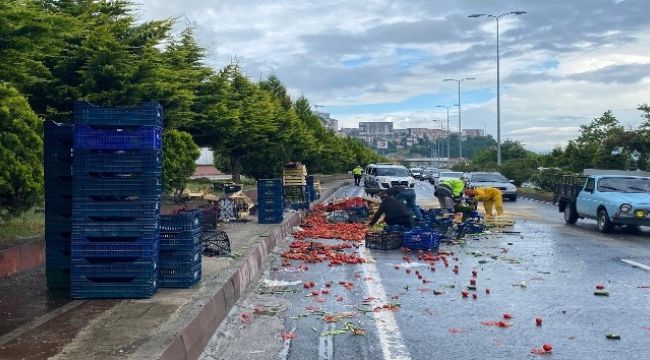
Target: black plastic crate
216, 243
118, 162
183, 221
383, 240
148, 113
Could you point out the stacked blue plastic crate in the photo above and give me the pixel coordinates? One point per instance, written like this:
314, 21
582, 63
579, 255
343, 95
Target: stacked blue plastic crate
58, 203
270, 201
116, 201
180, 249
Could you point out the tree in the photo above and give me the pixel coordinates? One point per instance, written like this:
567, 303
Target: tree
21, 151
179, 160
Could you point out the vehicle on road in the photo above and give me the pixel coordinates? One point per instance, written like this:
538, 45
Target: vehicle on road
427, 173
416, 172
436, 174
446, 175
377, 177
611, 200
493, 180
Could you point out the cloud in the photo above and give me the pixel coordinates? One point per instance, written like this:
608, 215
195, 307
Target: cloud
562, 64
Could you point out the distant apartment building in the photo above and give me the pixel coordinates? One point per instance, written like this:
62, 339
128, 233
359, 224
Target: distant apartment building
469, 133
328, 121
371, 128
431, 134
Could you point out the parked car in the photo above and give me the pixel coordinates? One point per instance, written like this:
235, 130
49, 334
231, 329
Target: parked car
494, 180
416, 172
427, 173
611, 200
447, 175
377, 177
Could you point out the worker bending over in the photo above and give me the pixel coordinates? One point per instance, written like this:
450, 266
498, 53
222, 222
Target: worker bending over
448, 191
407, 195
490, 197
395, 211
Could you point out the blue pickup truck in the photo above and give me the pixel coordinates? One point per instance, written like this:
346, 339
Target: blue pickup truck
611, 200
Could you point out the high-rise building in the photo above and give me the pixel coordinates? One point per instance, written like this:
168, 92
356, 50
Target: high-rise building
469, 133
373, 128
328, 121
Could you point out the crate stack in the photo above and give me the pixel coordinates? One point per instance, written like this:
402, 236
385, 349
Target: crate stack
270, 201
117, 189
294, 178
180, 249
58, 203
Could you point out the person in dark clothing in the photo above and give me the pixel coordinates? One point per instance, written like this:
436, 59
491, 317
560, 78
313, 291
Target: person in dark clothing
395, 211
408, 195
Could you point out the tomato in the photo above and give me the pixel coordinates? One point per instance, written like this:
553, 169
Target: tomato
396, 267
474, 273
474, 296
507, 316
487, 291
315, 292
464, 293
472, 281
408, 271
548, 347
538, 321
600, 287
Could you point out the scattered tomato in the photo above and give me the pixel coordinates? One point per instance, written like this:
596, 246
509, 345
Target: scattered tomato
600, 287
487, 291
547, 347
507, 316
538, 321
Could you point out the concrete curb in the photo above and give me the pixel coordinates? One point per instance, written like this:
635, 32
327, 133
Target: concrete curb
191, 341
530, 198
21, 258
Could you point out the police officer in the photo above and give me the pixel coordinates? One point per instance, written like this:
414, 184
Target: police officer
357, 171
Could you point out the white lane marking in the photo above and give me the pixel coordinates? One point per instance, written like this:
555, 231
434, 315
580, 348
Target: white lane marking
390, 338
326, 343
284, 354
636, 264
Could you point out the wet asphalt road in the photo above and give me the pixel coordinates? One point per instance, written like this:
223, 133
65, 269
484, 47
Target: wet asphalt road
560, 265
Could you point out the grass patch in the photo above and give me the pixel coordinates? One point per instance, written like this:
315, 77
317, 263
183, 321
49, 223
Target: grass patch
20, 229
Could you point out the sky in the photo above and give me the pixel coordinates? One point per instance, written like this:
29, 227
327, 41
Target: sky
563, 63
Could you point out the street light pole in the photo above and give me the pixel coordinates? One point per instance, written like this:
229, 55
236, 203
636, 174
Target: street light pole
460, 124
497, 17
448, 131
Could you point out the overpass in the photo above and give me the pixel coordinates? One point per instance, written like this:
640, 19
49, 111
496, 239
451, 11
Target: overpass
430, 161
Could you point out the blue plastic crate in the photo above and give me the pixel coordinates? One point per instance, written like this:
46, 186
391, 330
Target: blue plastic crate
57, 259
58, 278
82, 287
134, 188
270, 219
121, 162
183, 221
58, 246
142, 270
179, 258
180, 281
184, 241
148, 113
57, 134
112, 250
123, 232
86, 207
419, 239
142, 138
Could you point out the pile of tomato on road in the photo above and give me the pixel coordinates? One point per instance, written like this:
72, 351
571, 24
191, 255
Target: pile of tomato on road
317, 227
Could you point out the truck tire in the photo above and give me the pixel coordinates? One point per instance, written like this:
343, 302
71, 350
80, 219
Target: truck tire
570, 214
604, 225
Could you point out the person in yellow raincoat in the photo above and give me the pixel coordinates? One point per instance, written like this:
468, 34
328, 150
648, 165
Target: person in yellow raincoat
490, 197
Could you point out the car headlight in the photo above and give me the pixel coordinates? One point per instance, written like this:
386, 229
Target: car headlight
639, 214
625, 208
